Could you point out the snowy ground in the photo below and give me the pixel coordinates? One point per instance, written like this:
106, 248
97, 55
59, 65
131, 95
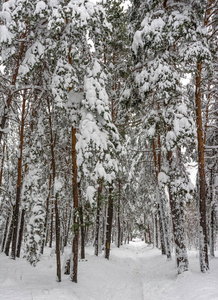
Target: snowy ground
134, 272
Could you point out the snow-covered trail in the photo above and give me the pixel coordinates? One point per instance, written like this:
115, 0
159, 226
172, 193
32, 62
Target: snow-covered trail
157, 275
134, 272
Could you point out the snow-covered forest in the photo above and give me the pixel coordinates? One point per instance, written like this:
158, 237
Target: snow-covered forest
108, 149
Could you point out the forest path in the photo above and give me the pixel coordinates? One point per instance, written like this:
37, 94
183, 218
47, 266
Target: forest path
130, 274
157, 275
135, 271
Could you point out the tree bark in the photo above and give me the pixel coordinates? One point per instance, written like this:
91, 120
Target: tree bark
75, 247
149, 234
212, 217
67, 230
10, 232
109, 224
164, 235
118, 216
51, 223
55, 197
178, 225
97, 223
5, 232
19, 180
46, 216
2, 166
82, 229
58, 239
203, 251
21, 232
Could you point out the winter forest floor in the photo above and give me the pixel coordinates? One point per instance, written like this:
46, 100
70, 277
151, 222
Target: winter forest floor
134, 272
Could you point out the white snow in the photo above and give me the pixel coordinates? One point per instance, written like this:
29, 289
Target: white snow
135, 271
5, 34
40, 6
162, 178
58, 185
90, 193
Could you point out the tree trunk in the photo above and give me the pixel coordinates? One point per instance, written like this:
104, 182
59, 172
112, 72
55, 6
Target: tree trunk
149, 234
178, 226
109, 223
19, 179
10, 232
118, 217
21, 232
166, 239
55, 201
212, 217
103, 225
203, 251
155, 231
75, 247
46, 216
58, 239
82, 229
164, 235
67, 230
5, 233
51, 223
161, 231
145, 233
2, 166
97, 224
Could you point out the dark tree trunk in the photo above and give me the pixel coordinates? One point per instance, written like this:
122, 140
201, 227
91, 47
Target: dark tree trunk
103, 225
212, 232
21, 232
118, 217
145, 234
109, 224
121, 236
149, 234
55, 201
203, 251
82, 229
58, 239
97, 223
2, 166
19, 180
44, 242
162, 241
51, 223
164, 227
75, 247
5, 232
156, 231
212, 217
9, 237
